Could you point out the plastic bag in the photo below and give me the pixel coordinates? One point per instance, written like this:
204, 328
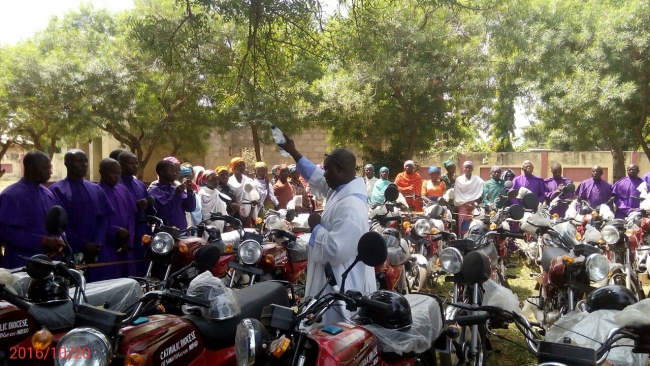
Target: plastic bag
223, 302
501, 297
635, 314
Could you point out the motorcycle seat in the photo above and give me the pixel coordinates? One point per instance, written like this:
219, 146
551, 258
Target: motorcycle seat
548, 254
219, 334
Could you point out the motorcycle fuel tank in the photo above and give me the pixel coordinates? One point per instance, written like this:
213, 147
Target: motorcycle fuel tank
164, 340
351, 346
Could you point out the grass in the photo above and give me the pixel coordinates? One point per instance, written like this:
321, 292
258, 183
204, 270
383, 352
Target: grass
505, 353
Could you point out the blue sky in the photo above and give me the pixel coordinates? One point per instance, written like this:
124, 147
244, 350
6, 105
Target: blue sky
20, 19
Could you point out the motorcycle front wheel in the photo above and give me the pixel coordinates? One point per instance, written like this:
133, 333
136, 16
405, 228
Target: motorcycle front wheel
461, 355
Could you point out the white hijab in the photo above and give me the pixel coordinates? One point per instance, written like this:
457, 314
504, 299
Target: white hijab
467, 190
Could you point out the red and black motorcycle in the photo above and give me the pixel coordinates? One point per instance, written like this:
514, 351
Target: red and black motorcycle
389, 329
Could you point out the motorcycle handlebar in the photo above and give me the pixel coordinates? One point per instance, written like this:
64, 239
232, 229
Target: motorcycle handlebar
365, 301
468, 320
285, 234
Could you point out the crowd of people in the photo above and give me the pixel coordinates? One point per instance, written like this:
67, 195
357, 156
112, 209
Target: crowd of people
106, 220
469, 189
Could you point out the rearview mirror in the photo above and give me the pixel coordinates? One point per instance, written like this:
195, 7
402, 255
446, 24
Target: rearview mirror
569, 188
516, 212
40, 267
391, 193
57, 220
475, 268
291, 214
206, 257
530, 201
372, 249
151, 206
436, 212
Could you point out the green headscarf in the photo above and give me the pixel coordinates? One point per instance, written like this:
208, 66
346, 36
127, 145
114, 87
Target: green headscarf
377, 195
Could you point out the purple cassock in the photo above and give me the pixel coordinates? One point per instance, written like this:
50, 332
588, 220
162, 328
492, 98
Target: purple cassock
595, 192
534, 183
88, 212
23, 209
550, 188
138, 191
646, 179
623, 190
171, 207
122, 217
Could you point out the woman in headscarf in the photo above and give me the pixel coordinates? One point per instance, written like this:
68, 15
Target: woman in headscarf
409, 183
434, 188
468, 189
237, 183
377, 196
508, 175
264, 187
450, 177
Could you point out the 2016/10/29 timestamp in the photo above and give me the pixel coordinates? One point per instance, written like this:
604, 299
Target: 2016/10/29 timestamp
28, 353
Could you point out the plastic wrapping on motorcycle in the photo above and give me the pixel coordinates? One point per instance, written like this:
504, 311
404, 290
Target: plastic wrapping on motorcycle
426, 327
300, 223
535, 221
119, 293
591, 235
595, 325
567, 231
398, 250
501, 297
635, 314
298, 250
223, 302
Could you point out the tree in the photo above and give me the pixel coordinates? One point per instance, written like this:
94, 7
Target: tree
406, 78
276, 56
587, 63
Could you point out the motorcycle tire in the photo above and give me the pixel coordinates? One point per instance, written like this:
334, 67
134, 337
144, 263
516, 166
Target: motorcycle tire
416, 278
459, 357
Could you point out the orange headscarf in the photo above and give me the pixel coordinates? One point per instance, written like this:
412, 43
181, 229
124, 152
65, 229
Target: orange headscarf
234, 162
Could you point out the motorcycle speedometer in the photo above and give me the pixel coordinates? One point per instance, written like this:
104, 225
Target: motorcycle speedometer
250, 252
597, 267
422, 227
610, 234
162, 243
451, 260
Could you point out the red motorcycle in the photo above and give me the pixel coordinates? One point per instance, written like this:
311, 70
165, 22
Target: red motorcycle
150, 338
283, 256
389, 329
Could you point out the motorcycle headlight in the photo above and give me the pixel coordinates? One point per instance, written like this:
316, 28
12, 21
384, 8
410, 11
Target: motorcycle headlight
437, 224
274, 222
250, 252
422, 227
597, 267
162, 243
83, 346
451, 259
245, 343
610, 234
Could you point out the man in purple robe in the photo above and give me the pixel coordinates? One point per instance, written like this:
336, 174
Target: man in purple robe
595, 190
23, 209
138, 191
121, 223
553, 188
172, 201
624, 190
534, 183
87, 207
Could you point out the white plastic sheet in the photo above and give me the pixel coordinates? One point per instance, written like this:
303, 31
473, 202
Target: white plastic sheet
426, 327
588, 329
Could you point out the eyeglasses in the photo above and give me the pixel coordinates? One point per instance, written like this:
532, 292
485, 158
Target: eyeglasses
333, 158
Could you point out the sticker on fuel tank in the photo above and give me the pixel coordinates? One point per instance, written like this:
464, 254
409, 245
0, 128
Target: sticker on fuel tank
13, 328
176, 351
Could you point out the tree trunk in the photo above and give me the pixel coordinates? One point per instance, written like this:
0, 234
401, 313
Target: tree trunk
5, 148
619, 159
256, 142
